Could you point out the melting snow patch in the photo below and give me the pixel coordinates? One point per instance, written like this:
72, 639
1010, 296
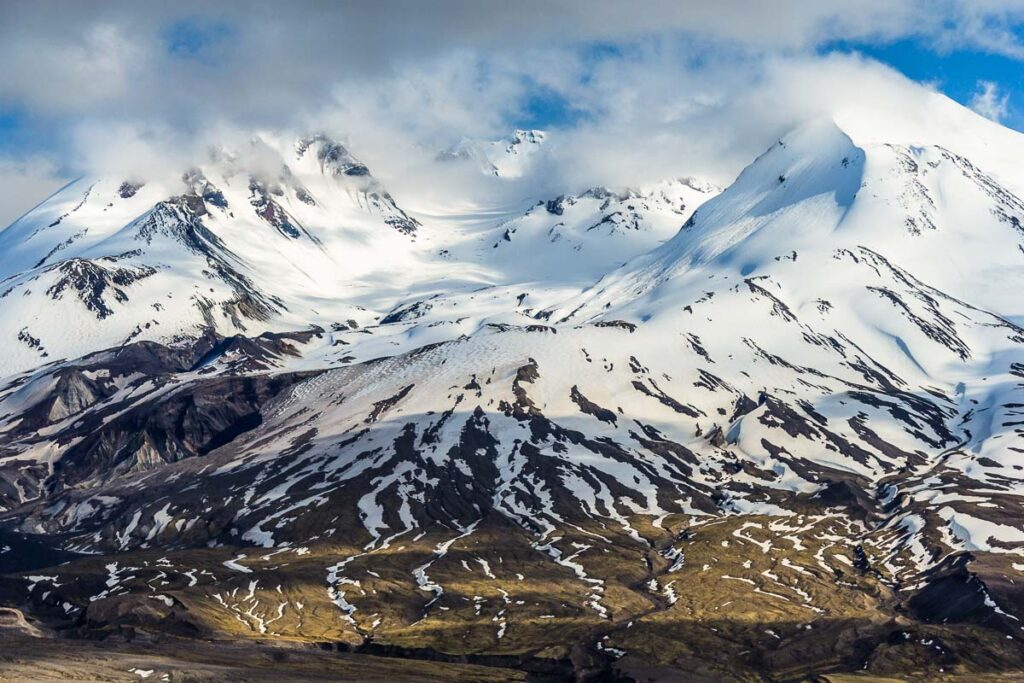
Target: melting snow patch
233, 564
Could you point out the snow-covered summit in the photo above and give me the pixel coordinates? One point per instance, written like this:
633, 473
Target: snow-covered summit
506, 158
816, 193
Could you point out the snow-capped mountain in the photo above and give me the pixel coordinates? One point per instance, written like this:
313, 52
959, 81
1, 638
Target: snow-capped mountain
624, 429
226, 247
509, 158
280, 236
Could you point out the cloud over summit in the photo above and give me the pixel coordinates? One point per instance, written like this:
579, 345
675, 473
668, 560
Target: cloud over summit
638, 90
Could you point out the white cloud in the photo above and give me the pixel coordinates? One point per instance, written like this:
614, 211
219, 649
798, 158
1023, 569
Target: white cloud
990, 101
684, 86
26, 183
111, 58
650, 114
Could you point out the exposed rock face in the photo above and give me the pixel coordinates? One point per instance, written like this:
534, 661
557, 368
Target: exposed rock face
94, 283
104, 435
128, 189
335, 157
271, 211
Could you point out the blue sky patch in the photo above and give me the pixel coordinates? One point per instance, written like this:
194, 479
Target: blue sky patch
546, 109
957, 74
196, 38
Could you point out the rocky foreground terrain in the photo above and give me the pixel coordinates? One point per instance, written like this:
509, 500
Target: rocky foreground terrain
277, 426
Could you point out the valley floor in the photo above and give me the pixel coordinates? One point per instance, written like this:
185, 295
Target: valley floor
43, 660
35, 660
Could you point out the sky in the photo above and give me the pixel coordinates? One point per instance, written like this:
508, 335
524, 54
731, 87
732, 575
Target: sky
634, 91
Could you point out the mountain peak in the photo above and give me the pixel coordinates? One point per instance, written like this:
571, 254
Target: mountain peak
506, 158
533, 137
815, 194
